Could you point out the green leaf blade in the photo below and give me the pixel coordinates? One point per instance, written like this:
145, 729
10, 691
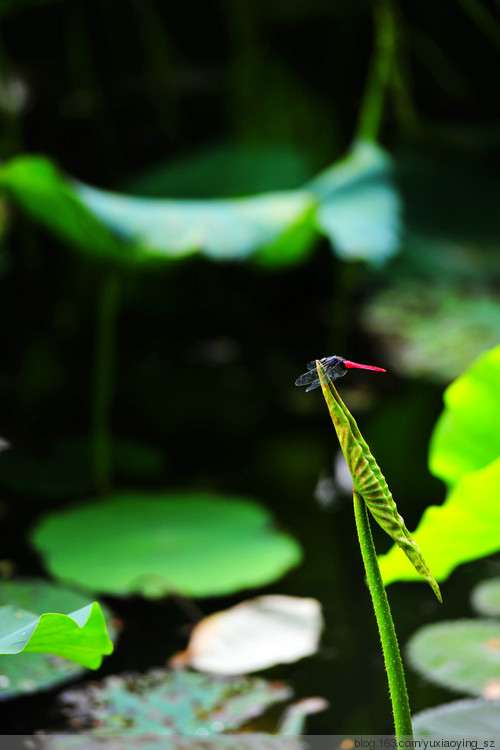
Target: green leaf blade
369, 482
80, 636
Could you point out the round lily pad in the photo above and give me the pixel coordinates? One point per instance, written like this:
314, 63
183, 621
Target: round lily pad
476, 718
194, 544
25, 672
463, 655
485, 598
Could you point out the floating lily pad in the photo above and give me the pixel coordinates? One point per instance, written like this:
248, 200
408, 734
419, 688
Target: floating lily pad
170, 702
463, 655
469, 718
485, 598
194, 544
30, 672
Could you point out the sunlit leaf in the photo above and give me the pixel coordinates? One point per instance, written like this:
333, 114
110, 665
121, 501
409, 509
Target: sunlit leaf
485, 598
354, 203
29, 672
468, 718
80, 636
466, 437
254, 635
463, 655
465, 528
193, 543
223, 229
170, 702
369, 481
359, 206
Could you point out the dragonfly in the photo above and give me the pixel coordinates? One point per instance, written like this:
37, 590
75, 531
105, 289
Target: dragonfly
335, 367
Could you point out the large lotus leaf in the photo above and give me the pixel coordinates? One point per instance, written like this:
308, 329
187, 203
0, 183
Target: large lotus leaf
468, 718
359, 206
485, 598
170, 702
29, 672
194, 543
466, 436
464, 528
463, 655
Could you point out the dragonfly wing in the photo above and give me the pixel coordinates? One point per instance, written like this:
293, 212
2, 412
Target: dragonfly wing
307, 378
315, 384
311, 365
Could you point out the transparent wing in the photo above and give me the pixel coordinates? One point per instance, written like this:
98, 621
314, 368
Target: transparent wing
311, 365
307, 378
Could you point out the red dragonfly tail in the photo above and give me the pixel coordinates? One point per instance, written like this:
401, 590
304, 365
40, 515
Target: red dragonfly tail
362, 367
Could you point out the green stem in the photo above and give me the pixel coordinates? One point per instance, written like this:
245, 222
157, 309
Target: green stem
390, 648
380, 71
102, 393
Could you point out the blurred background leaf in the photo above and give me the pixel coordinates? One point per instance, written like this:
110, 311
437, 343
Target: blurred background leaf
190, 544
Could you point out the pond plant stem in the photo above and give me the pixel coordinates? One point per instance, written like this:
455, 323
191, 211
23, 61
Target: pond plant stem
390, 648
102, 392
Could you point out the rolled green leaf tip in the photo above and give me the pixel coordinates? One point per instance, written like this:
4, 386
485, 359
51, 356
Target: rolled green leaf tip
368, 480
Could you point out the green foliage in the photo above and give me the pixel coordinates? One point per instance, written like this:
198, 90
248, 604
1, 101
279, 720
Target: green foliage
192, 543
28, 672
80, 636
463, 655
171, 702
468, 718
354, 204
467, 437
369, 481
464, 451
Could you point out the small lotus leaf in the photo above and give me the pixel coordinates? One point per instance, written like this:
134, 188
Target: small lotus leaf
463, 655
80, 636
29, 672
